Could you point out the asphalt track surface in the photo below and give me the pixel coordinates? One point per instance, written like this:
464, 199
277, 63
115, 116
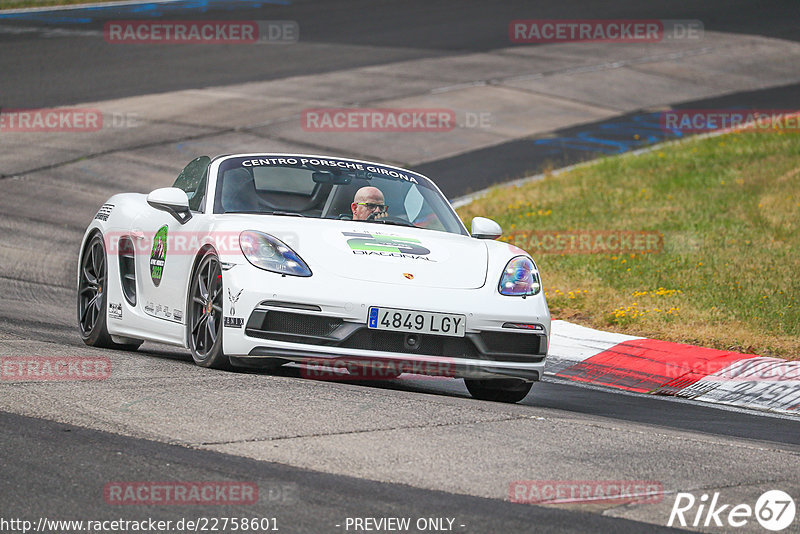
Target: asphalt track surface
301, 500
58, 469
349, 33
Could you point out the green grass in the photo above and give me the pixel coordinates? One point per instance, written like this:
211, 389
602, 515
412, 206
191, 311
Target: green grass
18, 4
728, 207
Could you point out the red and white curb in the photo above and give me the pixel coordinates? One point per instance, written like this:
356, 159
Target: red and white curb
642, 365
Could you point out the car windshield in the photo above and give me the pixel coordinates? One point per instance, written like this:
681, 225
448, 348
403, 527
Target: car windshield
332, 188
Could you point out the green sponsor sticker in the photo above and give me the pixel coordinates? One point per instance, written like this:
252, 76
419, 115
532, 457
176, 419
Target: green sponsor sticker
385, 243
158, 255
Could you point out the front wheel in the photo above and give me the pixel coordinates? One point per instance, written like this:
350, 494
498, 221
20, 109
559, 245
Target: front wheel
498, 389
205, 314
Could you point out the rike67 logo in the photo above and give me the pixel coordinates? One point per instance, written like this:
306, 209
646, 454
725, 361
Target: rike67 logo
774, 510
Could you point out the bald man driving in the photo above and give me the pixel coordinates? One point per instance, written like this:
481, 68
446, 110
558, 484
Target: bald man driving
368, 201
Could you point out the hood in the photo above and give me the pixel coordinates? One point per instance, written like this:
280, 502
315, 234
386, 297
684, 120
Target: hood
383, 253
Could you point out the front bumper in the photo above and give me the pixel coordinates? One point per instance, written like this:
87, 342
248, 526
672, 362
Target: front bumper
312, 337
298, 322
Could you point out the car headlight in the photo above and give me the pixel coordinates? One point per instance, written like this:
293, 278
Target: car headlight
271, 254
520, 278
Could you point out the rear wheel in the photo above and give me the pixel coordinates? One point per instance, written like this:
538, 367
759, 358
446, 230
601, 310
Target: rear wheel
92, 285
205, 314
498, 389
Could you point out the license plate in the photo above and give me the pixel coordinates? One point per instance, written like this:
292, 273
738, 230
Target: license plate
420, 322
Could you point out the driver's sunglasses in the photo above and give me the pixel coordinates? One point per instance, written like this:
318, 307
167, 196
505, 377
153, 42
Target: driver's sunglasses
380, 207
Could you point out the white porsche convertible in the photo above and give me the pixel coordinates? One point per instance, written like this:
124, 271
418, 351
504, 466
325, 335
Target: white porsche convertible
266, 259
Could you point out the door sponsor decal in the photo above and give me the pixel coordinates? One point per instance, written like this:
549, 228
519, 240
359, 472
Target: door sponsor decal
162, 311
158, 255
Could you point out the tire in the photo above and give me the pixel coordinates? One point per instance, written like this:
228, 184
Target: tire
91, 298
498, 389
204, 324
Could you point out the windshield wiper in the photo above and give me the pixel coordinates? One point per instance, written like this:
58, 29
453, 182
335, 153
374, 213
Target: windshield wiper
284, 213
257, 212
396, 222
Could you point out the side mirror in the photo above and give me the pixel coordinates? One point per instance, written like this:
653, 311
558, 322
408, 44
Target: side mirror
172, 200
483, 228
